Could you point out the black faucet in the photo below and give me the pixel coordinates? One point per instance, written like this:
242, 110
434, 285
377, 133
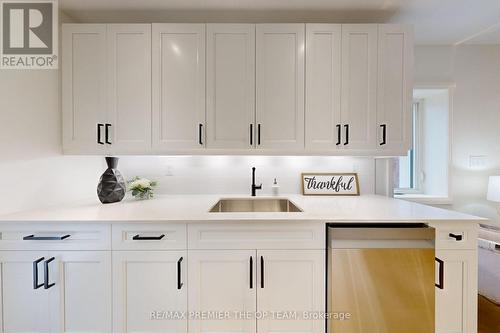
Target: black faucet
255, 187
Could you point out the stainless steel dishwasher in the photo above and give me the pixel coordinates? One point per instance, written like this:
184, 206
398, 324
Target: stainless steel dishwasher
381, 278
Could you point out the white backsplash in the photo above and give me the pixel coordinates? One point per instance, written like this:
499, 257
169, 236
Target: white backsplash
232, 174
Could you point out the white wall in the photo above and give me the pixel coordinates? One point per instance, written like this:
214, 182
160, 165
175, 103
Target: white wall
476, 117
232, 174
33, 170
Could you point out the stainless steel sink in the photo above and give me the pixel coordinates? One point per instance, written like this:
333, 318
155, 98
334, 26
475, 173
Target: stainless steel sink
254, 205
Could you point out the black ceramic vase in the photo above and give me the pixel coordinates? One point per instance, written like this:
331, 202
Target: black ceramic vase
111, 187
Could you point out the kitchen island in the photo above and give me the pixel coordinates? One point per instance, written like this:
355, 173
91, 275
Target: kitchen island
169, 264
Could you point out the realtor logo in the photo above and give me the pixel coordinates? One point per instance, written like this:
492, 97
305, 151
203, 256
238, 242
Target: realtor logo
28, 34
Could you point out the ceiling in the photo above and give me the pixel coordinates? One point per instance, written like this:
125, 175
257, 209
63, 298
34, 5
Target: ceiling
436, 21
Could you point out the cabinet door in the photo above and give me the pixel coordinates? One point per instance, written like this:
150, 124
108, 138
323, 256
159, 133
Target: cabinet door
291, 281
129, 87
395, 88
23, 308
230, 85
84, 88
359, 85
148, 288
456, 303
178, 86
80, 299
280, 86
323, 51
222, 281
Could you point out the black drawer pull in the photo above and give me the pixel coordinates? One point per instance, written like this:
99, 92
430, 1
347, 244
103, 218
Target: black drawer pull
440, 285
35, 273
138, 237
46, 284
346, 129
200, 134
179, 274
384, 134
261, 271
99, 126
251, 272
339, 134
45, 238
106, 133
457, 237
251, 134
258, 134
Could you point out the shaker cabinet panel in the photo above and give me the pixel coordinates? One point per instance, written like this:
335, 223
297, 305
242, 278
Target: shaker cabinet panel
129, 87
280, 86
80, 298
84, 88
23, 308
230, 85
293, 282
359, 85
323, 77
395, 87
149, 285
178, 86
222, 280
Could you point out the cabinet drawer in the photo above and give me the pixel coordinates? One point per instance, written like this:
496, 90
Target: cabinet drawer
456, 238
55, 236
257, 235
149, 236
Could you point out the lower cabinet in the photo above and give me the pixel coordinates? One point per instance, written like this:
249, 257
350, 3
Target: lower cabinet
456, 300
256, 290
149, 291
56, 292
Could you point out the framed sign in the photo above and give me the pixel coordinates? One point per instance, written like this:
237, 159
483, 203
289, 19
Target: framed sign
330, 184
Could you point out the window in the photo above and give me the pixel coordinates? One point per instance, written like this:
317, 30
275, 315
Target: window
424, 170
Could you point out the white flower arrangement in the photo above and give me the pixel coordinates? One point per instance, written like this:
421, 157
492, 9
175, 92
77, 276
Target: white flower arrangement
141, 188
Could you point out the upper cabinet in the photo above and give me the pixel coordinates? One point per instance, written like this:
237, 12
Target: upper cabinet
106, 88
280, 86
230, 86
323, 77
178, 86
336, 89
84, 88
359, 86
395, 85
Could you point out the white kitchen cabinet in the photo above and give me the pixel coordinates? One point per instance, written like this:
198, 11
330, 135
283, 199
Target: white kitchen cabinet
106, 88
323, 77
291, 282
148, 286
78, 297
230, 86
395, 87
280, 86
84, 88
178, 86
129, 87
456, 303
23, 308
222, 280
359, 86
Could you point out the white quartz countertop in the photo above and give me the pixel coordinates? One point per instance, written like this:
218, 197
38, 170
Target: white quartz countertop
194, 208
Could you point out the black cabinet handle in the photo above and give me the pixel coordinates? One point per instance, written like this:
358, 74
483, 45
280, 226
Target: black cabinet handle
251, 272
138, 237
35, 273
106, 131
384, 134
262, 272
258, 134
339, 134
46, 284
457, 237
251, 134
200, 132
440, 285
346, 128
45, 238
179, 274
99, 126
